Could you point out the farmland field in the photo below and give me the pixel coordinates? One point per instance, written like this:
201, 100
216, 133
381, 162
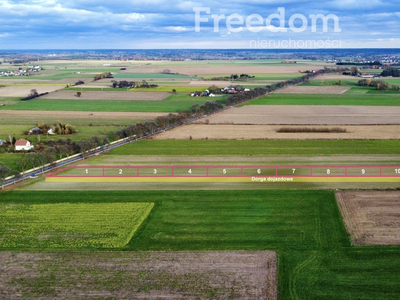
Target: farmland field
106, 95
315, 258
174, 103
323, 90
32, 117
268, 71
185, 161
11, 160
249, 132
216, 240
346, 80
344, 99
371, 218
308, 115
142, 275
128, 75
259, 147
70, 225
23, 91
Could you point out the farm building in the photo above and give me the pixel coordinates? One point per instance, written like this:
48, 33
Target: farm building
35, 130
23, 145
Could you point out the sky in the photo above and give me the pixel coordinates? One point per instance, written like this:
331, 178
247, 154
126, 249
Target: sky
206, 24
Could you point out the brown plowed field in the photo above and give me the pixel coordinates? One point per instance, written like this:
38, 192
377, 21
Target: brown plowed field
324, 90
21, 114
371, 218
139, 275
308, 115
249, 132
106, 95
24, 91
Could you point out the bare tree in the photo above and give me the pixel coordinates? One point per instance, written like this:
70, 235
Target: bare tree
33, 93
4, 173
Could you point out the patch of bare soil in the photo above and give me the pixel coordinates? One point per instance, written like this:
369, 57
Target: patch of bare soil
335, 76
107, 95
371, 217
324, 90
24, 91
138, 275
40, 114
308, 115
250, 132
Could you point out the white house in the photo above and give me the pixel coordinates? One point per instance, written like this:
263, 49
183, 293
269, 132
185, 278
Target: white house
23, 145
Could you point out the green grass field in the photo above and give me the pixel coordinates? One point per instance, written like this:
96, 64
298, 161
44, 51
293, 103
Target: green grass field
32, 121
355, 99
259, 147
11, 160
316, 259
84, 132
174, 103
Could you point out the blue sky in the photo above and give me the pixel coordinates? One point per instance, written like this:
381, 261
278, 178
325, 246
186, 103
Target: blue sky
159, 24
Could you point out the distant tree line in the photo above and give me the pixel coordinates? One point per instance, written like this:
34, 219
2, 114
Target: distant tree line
33, 94
380, 85
133, 84
242, 77
391, 72
371, 63
102, 76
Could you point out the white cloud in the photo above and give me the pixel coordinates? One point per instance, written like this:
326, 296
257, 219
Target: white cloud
99, 22
178, 28
63, 14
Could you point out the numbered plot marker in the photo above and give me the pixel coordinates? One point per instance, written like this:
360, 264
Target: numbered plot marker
190, 172
391, 171
84, 172
225, 171
294, 171
259, 171
120, 171
329, 171
155, 171
363, 171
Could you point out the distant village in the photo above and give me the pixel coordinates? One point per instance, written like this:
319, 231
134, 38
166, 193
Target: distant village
385, 57
27, 71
